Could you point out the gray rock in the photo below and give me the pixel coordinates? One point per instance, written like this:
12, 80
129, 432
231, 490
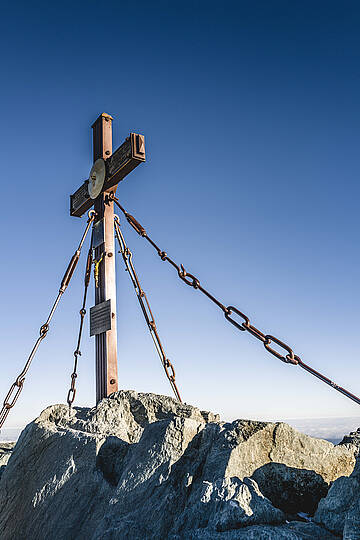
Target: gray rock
290, 531
352, 438
340, 510
228, 504
292, 469
6, 449
141, 466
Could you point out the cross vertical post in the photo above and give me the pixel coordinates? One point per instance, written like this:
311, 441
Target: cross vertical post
107, 171
106, 342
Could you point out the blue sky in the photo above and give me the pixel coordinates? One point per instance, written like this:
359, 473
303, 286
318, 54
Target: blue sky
251, 116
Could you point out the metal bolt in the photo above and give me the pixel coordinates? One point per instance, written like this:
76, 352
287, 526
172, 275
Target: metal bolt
112, 381
110, 254
107, 152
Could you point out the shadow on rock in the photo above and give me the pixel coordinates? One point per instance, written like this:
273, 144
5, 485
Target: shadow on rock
110, 457
290, 489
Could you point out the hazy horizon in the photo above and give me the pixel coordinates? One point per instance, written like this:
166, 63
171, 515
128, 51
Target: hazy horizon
330, 429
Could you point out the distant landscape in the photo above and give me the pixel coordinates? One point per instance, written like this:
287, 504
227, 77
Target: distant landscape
10, 434
330, 429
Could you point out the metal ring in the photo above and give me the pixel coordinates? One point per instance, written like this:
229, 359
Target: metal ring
168, 364
71, 400
255, 332
289, 358
182, 275
243, 326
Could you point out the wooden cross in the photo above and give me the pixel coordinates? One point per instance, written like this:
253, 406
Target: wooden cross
108, 170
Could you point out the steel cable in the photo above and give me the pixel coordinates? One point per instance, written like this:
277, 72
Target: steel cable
16, 388
145, 307
287, 355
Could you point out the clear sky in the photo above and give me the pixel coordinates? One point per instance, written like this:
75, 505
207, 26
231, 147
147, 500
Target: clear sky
251, 116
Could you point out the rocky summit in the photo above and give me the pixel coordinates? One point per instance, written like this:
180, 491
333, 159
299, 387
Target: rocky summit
145, 467
6, 449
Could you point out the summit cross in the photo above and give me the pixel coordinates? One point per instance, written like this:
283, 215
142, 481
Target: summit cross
107, 171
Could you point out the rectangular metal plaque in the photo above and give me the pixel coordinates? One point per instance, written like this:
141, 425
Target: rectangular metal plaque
128, 156
100, 318
98, 233
119, 157
80, 201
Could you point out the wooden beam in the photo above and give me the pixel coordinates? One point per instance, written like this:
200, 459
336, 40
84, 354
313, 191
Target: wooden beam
124, 160
118, 165
102, 136
106, 342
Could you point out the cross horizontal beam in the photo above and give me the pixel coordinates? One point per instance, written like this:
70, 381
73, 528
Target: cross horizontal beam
128, 156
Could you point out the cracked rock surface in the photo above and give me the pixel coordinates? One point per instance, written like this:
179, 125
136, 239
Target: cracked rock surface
145, 467
339, 512
5, 452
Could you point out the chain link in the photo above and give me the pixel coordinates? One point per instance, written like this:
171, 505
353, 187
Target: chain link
77, 352
145, 307
16, 388
244, 324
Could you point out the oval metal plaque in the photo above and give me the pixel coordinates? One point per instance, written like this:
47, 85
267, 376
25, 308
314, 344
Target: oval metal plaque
97, 178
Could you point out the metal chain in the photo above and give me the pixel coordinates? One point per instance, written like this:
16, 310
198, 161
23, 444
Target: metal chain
145, 307
16, 388
77, 352
287, 356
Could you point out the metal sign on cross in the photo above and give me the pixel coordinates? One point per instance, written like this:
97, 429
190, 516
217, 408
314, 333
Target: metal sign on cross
107, 171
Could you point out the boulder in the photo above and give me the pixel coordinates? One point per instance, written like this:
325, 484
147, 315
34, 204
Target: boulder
142, 466
340, 510
5, 452
352, 438
292, 469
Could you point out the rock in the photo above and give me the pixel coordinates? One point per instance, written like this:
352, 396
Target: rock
292, 469
228, 504
141, 466
290, 531
340, 510
352, 438
6, 449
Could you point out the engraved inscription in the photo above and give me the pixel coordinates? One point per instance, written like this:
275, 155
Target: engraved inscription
79, 197
122, 154
100, 318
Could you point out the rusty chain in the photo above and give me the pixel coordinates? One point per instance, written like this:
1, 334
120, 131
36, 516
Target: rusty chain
16, 388
287, 356
77, 352
145, 307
